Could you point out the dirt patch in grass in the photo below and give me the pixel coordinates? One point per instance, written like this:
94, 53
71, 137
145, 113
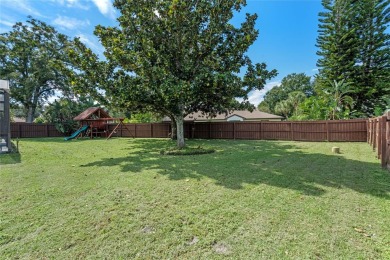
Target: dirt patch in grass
221, 248
193, 241
147, 230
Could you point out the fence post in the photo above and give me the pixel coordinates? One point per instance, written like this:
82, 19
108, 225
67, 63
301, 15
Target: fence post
369, 131
209, 130
261, 130
383, 142
327, 131
292, 131
193, 130
135, 130
372, 137
20, 131
234, 130
151, 130
374, 133
47, 130
373, 128
387, 140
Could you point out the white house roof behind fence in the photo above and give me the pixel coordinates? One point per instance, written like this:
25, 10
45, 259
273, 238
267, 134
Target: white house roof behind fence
245, 114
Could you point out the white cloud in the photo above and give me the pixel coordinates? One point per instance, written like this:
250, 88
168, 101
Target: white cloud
70, 23
21, 6
105, 7
92, 43
315, 70
73, 3
6, 23
258, 95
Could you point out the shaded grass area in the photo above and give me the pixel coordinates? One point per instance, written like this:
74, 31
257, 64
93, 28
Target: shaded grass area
11, 158
250, 199
187, 151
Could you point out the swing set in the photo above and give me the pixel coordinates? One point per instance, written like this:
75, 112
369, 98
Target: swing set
94, 122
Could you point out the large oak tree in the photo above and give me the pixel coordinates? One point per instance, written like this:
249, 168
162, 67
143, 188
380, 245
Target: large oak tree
178, 57
33, 57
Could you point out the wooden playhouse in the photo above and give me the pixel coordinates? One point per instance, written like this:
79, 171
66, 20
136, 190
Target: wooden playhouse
98, 121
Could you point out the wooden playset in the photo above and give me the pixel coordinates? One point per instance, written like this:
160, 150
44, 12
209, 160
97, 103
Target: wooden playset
94, 122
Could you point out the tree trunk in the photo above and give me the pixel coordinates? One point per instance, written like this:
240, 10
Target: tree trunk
32, 106
173, 129
30, 114
180, 131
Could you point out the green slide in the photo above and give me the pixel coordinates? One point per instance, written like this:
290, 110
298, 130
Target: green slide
75, 134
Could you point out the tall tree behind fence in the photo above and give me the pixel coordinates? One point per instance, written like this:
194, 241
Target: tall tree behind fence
342, 130
378, 137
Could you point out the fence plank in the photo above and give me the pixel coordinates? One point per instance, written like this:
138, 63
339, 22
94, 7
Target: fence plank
387, 152
383, 142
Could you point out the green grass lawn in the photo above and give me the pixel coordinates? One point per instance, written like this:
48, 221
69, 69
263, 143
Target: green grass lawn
250, 199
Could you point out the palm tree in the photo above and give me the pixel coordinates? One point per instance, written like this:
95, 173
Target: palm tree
295, 98
340, 102
283, 108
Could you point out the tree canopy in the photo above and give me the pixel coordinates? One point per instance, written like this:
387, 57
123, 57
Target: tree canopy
291, 83
33, 57
178, 57
62, 111
354, 47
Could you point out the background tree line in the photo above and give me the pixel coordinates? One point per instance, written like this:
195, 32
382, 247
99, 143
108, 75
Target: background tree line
354, 66
178, 57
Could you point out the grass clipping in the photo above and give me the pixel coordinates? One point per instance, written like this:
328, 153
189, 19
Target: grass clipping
187, 151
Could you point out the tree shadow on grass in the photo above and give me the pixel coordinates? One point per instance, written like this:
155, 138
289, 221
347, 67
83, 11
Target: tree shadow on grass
256, 162
10, 158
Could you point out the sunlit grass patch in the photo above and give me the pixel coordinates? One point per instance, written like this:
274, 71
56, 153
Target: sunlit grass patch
121, 198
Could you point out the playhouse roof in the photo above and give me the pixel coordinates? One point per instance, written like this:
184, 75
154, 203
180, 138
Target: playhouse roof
92, 113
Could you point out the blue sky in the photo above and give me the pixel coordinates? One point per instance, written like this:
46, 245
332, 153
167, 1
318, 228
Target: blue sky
288, 29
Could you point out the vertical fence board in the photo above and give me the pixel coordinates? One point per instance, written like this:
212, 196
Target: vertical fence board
383, 142
387, 151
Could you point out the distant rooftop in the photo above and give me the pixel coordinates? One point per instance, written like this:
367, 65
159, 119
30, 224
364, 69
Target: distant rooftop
18, 120
244, 114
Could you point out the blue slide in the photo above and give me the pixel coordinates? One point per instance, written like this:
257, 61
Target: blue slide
75, 134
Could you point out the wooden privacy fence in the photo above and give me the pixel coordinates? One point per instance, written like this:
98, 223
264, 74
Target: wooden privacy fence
378, 137
21, 130
346, 130
342, 130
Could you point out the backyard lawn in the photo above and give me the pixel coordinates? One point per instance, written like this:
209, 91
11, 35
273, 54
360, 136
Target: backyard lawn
121, 198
